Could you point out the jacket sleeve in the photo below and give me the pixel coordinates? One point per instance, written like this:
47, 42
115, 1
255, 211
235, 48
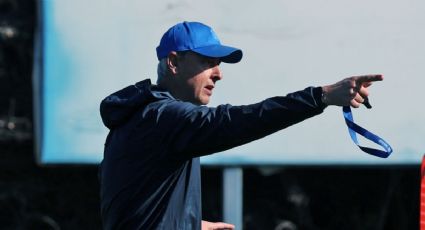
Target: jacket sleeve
199, 130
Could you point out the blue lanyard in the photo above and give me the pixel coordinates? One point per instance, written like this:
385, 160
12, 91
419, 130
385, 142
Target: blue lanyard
353, 128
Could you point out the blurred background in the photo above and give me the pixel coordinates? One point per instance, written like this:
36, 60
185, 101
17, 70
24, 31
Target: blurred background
290, 197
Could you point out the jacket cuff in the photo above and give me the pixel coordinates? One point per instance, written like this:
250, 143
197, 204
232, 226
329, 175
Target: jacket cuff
317, 94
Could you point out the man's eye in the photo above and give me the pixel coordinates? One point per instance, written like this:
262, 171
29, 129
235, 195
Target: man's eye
212, 62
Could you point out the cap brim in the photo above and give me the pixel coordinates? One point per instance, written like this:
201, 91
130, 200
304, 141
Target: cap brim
226, 54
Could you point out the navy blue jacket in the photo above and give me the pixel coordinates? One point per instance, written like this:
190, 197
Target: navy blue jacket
150, 174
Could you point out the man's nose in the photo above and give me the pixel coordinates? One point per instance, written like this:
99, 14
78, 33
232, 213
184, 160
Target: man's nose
216, 74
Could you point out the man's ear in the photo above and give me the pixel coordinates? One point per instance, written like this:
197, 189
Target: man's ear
172, 62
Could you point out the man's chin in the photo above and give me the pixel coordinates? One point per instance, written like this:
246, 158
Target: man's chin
204, 101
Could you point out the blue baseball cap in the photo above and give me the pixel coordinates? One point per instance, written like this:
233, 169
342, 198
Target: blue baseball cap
199, 38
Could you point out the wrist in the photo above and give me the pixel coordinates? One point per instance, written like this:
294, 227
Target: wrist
324, 97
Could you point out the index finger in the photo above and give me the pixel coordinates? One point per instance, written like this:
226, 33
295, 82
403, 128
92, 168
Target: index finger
369, 78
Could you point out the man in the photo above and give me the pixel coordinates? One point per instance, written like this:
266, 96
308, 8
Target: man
150, 174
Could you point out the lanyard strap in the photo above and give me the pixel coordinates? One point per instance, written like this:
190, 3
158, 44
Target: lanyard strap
353, 128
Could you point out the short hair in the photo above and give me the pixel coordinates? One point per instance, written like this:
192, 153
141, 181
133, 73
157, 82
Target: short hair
162, 70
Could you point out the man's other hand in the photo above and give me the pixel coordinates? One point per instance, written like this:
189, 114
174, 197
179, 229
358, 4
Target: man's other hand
216, 226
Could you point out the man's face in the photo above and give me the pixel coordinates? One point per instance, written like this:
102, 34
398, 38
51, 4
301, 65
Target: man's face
196, 77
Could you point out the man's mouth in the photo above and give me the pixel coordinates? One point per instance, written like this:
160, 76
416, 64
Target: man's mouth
209, 89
